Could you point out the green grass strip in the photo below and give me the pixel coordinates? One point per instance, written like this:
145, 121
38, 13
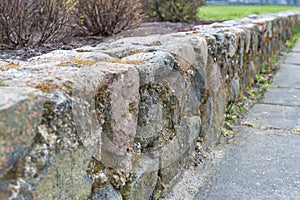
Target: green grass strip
235, 12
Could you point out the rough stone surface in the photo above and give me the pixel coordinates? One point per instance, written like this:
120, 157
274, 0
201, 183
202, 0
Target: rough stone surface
120, 120
66, 178
20, 113
106, 193
77, 57
260, 162
142, 186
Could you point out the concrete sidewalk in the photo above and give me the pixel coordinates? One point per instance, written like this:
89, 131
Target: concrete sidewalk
264, 160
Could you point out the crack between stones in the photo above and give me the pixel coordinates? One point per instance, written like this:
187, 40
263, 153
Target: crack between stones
282, 87
291, 63
280, 104
265, 128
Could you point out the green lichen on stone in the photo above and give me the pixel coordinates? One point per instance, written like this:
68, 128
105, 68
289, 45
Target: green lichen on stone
67, 177
141, 187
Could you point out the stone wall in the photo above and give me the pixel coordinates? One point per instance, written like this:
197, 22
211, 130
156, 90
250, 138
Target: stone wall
120, 120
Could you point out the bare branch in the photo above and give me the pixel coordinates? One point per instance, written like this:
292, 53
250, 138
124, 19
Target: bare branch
106, 17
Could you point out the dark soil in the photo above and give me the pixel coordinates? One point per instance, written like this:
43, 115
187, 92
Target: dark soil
147, 28
32, 51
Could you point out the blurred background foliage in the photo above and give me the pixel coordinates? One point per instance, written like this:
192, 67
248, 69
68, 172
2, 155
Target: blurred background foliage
34, 22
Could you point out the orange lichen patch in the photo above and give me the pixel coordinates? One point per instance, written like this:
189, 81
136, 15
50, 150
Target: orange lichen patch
9, 66
136, 62
12, 65
77, 63
46, 87
135, 52
83, 50
64, 64
2, 84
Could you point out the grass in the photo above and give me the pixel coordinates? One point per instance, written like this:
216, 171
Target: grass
294, 39
235, 12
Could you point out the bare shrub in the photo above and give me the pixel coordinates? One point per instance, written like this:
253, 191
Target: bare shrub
17, 19
53, 20
31, 22
106, 17
173, 10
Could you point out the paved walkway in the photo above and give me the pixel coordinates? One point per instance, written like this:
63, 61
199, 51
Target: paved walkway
264, 161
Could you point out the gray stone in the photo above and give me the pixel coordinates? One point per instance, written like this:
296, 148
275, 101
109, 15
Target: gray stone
74, 57
234, 89
200, 48
58, 113
231, 43
151, 113
106, 193
175, 153
66, 177
4, 191
163, 64
170, 176
114, 95
183, 48
158, 107
214, 79
20, 113
184, 141
213, 108
142, 186
45, 77
247, 78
